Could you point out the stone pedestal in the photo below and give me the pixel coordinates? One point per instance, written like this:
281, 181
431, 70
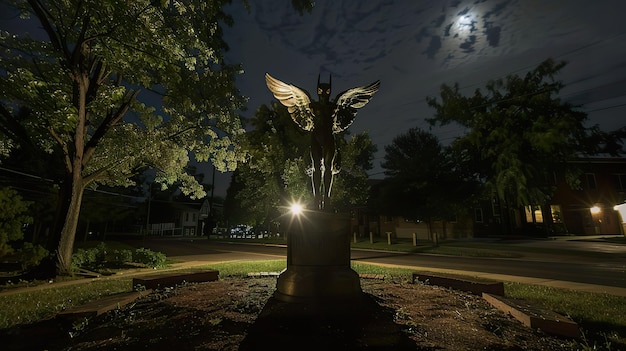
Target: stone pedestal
318, 260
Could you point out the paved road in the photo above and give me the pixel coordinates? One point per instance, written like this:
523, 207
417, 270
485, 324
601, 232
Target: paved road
608, 271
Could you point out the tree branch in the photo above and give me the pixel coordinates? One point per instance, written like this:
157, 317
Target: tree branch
110, 120
66, 152
44, 19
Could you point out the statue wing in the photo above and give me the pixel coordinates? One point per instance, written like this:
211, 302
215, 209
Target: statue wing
348, 102
295, 99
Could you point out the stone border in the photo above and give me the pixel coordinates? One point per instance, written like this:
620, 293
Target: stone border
475, 286
169, 280
98, 307
493, 292
534, 317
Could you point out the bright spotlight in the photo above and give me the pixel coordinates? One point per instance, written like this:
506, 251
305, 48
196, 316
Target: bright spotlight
296, 209
595, 209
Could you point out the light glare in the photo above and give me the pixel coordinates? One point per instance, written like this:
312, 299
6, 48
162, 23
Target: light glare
296, 209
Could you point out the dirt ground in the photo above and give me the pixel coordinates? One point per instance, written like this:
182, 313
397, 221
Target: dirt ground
241, 314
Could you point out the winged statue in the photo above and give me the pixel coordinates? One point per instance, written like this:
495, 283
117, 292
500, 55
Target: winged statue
323, 118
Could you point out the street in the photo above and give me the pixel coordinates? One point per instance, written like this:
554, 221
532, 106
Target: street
607, 272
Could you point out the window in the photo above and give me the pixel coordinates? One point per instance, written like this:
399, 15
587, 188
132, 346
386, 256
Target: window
591, 181
495, 207
478, 215
533, 214
529, 214
620, 181
556, 213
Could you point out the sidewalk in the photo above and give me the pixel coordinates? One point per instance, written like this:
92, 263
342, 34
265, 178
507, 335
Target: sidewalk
125, 274
567, 243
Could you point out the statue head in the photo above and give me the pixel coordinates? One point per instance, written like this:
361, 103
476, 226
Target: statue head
323, 89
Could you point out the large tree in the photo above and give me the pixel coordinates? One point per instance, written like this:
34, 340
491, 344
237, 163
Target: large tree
423, 180
275, 173
519, 133
115, 86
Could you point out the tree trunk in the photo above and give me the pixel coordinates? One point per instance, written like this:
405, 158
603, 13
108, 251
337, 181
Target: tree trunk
68, 231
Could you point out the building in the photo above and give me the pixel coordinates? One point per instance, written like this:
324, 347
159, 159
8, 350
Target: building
177, 218
597, 206
593, 207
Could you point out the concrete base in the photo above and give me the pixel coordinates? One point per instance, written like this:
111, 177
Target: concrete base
317, 283
318, 260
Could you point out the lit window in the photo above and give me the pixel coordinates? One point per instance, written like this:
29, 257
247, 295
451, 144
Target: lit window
556, 213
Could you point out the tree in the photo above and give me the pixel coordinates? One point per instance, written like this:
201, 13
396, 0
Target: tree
354, 159
275, 173
423, 181
13, 216
518, 133
116, 86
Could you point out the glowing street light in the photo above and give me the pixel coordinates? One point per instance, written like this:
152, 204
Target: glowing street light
595, 210
296, 209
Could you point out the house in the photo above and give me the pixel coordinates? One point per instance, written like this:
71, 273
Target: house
590, 209
177, 218
594, 207
598, 206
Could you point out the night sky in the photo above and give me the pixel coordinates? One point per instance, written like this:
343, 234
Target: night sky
415, 46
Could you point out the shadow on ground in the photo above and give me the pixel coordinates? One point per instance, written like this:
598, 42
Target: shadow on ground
361, 324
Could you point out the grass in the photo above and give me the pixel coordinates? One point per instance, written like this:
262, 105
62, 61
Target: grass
597, 313
600, 316
32, 306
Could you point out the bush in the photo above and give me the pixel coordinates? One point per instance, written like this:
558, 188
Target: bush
97, 256
13, 215
149, 258
30, 255
122, 256
101, 252
83, 258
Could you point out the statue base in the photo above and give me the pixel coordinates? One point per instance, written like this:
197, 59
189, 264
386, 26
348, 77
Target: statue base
318, 260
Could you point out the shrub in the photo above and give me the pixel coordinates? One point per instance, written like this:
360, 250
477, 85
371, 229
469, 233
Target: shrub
122, 256
149, 257
30, 255
13, 215
101, 252
96, 256
84, 257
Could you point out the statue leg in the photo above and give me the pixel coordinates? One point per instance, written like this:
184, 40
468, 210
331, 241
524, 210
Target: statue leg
329, 164
316, 177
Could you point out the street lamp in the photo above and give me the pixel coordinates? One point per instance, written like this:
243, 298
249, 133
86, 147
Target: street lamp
296, 208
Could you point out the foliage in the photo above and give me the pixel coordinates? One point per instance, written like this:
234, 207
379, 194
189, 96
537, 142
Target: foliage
275, 172
113, 87
31, 255
351, 186
13, 216
423, 180
94, 257
518, 132
149, 258
122, 256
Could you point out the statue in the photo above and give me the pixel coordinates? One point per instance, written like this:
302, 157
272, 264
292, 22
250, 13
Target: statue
324, 119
